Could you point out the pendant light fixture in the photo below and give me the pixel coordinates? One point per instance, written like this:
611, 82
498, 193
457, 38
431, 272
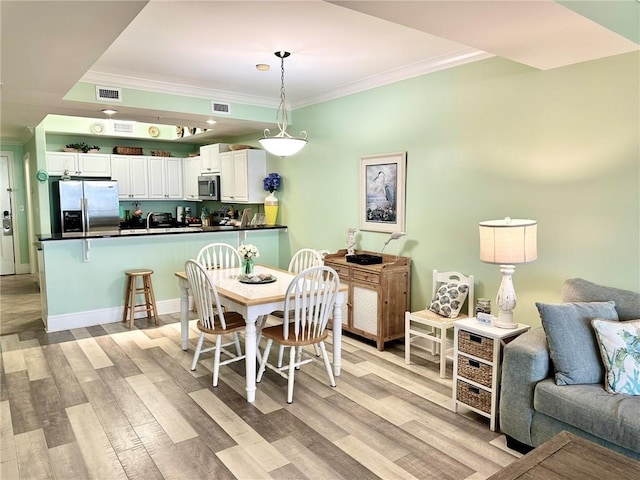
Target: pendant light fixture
282, 144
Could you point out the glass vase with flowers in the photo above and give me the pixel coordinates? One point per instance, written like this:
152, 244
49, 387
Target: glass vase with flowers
248, 253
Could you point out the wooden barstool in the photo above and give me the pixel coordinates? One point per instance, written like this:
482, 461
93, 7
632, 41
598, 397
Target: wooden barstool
132, 289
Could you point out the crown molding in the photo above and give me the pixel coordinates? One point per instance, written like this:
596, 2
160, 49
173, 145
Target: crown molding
454, 59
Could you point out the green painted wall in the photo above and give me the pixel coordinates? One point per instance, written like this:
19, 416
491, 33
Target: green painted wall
484, 141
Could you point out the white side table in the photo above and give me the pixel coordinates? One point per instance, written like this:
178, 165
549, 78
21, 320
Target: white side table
476, 365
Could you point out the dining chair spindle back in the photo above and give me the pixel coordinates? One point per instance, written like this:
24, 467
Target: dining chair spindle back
309, 303
212, 319
219, 255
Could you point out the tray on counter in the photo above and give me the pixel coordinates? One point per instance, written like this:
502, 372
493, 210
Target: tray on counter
364, 259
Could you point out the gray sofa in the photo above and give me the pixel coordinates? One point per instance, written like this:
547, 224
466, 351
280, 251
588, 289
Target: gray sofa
533, 408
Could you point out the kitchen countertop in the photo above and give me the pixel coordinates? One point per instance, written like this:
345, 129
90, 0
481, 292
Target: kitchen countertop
143, 232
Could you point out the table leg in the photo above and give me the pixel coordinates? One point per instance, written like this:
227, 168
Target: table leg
250, 357
184, 313
337, 335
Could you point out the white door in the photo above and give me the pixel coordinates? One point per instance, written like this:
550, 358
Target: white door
7, 262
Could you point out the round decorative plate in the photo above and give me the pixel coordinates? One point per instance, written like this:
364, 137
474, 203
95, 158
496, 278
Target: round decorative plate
256, 279
154, 131
97, 128
42, 175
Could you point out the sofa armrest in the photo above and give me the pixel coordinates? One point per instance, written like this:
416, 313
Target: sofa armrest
526, 362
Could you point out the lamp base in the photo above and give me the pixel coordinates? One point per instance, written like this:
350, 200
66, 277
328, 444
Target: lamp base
509, 325
506, 299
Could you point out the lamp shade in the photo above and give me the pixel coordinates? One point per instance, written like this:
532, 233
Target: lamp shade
508, 241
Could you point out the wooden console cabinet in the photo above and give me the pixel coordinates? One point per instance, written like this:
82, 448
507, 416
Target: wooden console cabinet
378, 295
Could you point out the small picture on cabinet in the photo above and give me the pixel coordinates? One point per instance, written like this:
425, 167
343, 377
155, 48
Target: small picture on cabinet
382, 192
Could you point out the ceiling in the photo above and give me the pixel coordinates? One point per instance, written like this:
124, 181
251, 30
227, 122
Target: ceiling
209, 49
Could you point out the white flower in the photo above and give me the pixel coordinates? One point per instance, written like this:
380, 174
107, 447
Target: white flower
248, 251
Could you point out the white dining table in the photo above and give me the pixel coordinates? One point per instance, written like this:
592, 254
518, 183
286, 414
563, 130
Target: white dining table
253, 301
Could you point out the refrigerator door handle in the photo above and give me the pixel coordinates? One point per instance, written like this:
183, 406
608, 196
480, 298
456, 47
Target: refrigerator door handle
85, 215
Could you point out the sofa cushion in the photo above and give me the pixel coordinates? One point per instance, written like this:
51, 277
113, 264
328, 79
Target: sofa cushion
619, 344
572, 342
612, 417
580, 290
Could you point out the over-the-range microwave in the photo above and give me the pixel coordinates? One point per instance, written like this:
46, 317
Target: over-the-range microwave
209, 187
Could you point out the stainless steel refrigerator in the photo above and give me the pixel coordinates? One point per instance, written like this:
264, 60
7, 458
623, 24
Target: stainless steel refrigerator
88, 208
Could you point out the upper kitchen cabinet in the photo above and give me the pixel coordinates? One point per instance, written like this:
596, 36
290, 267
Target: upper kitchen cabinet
192, 169
165, 178
131, 172
241, 176
79, 164
210, 157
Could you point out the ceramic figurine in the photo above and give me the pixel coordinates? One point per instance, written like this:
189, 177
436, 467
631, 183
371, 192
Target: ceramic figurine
351, 241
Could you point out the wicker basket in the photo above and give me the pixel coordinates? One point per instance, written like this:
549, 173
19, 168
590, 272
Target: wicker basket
160, 153
476, 345
474, 370
475, 397
127, 150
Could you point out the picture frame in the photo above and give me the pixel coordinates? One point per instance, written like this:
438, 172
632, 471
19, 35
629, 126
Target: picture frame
382, 192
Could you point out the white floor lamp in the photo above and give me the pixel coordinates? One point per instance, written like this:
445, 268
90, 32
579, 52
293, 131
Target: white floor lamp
507, 243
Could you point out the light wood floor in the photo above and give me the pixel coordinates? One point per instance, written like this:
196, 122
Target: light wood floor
109, 403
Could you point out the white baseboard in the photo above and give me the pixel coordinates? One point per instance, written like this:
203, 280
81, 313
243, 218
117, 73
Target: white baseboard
90, 318
23, 268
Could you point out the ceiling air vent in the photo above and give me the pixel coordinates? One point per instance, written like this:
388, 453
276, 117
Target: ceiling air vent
219, 107
109, 94
123, 128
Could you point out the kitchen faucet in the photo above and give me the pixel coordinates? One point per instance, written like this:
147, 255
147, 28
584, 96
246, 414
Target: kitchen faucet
148, 217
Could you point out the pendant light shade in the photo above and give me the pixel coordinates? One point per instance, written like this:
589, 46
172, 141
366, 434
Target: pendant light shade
282, 144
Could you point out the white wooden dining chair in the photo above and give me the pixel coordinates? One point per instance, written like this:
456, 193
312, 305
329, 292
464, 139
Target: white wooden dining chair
301, 260
219, 255
309, 302
212, 319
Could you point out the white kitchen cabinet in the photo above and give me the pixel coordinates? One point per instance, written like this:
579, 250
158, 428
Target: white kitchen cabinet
241, 176
192, 170
165, 178
131, 172
210, 157
79, 164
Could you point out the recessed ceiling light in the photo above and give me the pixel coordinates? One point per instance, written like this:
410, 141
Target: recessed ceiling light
109, 111
262, 67
211, 122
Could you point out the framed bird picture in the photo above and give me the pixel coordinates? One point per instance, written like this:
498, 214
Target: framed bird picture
382, 192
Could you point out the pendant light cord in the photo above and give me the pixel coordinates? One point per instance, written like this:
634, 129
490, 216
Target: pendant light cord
282, 109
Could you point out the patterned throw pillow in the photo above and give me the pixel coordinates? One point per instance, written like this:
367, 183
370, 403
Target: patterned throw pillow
449, 298
620, 350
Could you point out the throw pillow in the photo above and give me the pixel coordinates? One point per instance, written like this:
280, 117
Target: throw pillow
572, 343
449, 298
620, 350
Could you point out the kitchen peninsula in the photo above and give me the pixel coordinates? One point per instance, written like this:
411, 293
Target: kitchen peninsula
82, 280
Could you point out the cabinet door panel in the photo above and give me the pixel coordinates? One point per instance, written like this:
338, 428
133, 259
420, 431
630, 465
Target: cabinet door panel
138, 177
192, 167
120, 171
58, 162
94, 165
157, 177
173, 185
365, 309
